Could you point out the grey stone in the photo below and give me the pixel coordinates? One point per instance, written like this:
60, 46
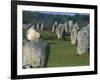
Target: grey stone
42, 26
83, 41
37, 27
32, 34
75, 26
70, 25
35, 54
60, 30
74, 36
24, 26
66, 27
33, 26
54, 27
74, 33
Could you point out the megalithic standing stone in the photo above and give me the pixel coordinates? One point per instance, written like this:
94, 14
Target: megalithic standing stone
66, 27
54, 27
59, 31
74, 36
82, 46
70, 25
37, 27
42, 26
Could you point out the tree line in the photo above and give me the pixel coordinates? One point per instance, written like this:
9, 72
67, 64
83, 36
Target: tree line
49, 19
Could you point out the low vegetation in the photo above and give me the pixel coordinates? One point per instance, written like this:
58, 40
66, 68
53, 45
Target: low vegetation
62, 52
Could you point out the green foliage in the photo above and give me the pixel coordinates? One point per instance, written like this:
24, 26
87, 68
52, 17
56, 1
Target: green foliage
49, 19
82, 20
62, 53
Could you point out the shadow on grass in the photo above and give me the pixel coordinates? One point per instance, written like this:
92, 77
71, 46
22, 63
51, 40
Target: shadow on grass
47, 55
51, 43
48, 38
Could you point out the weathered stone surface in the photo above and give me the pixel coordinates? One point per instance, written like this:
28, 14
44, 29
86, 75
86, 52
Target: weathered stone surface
54, 27
74, 36
88, 30
35, 54
66, 27
37, 27
26, 26
32, 34
83, 41
33, 26
74, 33
60, 30
42, 26
75, 26
70, 25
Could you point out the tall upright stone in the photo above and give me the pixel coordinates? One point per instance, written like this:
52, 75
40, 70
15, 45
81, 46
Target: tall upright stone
37, 27
70, 25
74, 36
83, 41
42, 26
54, 27
66, 26
60, 30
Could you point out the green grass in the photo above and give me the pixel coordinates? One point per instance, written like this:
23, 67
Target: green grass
63, 53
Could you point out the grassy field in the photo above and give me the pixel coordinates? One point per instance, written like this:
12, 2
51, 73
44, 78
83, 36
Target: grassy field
63, 53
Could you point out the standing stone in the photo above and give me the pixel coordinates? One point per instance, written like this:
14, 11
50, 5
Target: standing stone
33, 26
54, 26
66, 27
24, 26
32, 34
88, 30
37, 27
60, 30
83, 41
76, 26
29, 25
74, 36
42, 26
70, 25
35, 54
35, 51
